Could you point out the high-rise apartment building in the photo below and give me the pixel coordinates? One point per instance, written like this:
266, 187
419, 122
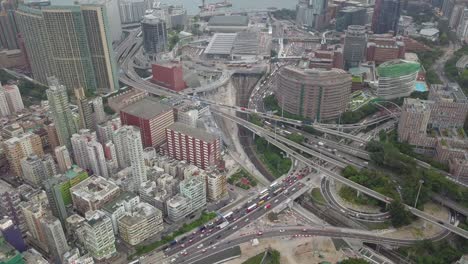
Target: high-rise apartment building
10, 205
55, 237
355, 42
100, 46
151, 117
33, 212
8, 30
60, 111
316, 94
105, 130
4, 109
154, 34
13, 98
84, 109
63, 158
109, 10
52, 136
96, 158
69, 46
194, 145
79, 144
37, 43
17, 148
216, 186
58, 191
129, 149
386, 16
99, 237
36, 170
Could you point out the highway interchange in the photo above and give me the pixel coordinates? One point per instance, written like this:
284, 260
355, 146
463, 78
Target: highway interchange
201, 243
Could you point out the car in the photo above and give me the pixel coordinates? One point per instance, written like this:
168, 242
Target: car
259, 233
276, 200
204, 250
234, 228
202, 235
281, 230
173, 260
190, 241
185, 253
304, 230
200, 246
183, 245
246, 220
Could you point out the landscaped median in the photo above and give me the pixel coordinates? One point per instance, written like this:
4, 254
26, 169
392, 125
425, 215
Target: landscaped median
143, 249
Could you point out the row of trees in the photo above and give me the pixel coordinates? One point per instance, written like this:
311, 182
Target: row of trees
272, 157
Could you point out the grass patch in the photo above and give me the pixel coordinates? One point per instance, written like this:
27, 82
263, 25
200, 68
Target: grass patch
349, 194
317, 196
272, 157
272, 257
204, 218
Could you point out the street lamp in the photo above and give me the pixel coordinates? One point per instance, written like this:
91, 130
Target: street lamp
419, 190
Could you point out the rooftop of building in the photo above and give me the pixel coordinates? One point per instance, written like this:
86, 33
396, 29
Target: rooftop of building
246, 43
116, 203
7, 252
177, 200
94, 188
193, 132
397, 68
228, 21
429, 32
139, 213
303, 68
221, 43
95, 217
147, 108
416, 105
449, 92
5, 187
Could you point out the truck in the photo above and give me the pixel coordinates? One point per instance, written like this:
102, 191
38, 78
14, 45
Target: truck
223, 225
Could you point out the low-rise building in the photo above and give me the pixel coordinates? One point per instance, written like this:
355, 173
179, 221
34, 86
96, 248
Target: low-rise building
140, 223
178, 207
93, 193
216, 186
99, 237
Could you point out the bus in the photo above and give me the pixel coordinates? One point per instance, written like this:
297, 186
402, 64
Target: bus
264, 191
251, 208
265, 195
273, 185
277, 191
226, 216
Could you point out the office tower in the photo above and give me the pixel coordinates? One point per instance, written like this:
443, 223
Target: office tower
10, 205
100, 46
93, 193
12, 234
60, 111
69, 46
58, 191
386, 16
315, 94
216, 186
13, 98
84, 109
194, 145
36, 170
17, 148
79, 144
96, 158
154, 34
131, 11
350, 15
4, 109
109, 9
105, 130
143, 222
63, 158
55, 237
39, 50
354, 46
312, 13
99, 237
194, 188
8, 30
151, 117
129, 149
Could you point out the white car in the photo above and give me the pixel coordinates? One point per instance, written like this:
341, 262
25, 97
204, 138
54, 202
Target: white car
200, 246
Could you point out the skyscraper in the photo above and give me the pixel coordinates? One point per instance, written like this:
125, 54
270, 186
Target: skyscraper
100, 46
129, 148
60, 110
386, 16
79, 144
154, 34
354, 46
8, 29
17, 148
33, 29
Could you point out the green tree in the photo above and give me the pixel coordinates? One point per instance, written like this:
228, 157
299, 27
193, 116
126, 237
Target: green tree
399, 216
296, 137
